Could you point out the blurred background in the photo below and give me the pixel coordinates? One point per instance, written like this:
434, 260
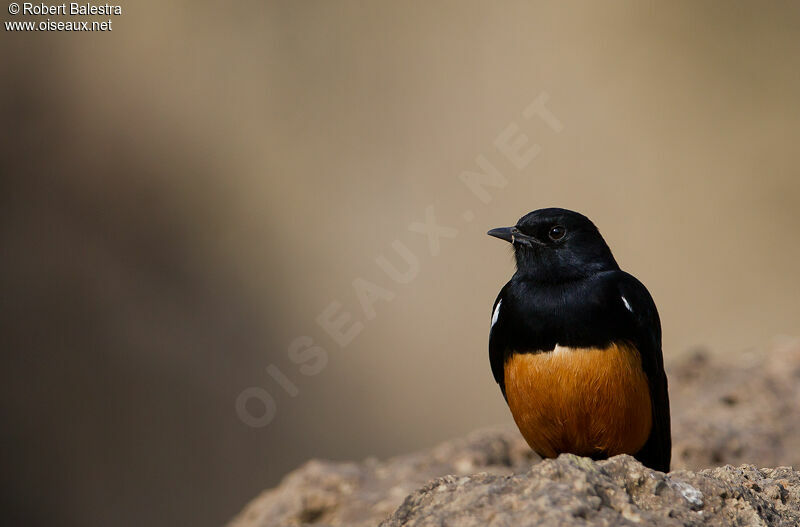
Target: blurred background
184, 196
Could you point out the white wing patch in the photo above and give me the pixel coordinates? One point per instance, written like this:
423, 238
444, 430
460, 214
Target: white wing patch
496, 312
627, 304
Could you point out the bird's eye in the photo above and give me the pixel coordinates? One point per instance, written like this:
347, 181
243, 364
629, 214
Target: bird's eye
557, 232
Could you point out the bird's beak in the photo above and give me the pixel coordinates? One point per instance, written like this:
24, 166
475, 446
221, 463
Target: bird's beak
508, 234
514, 236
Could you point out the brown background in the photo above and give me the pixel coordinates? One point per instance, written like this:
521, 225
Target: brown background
183, 196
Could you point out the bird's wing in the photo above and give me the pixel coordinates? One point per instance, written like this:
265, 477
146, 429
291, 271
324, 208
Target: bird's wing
497, 342
641, 311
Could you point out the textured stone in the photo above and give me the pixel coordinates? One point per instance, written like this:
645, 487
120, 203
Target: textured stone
619, 491
329, 493
737, 408
733, 409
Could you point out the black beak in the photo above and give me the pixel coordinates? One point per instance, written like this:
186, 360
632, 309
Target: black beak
512, 235
508, 234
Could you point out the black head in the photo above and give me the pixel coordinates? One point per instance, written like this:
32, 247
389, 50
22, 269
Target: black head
557, 245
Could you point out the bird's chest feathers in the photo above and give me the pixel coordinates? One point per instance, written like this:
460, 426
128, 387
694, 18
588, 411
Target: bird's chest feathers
585, 401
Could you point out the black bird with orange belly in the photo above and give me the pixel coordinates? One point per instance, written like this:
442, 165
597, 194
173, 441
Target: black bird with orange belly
575, 345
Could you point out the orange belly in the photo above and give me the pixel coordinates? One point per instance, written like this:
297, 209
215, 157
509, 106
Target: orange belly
584, 401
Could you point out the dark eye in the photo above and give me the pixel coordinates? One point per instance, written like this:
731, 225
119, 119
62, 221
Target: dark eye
557, 232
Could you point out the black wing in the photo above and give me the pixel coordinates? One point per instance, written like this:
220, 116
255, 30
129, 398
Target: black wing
497, 343
641, 310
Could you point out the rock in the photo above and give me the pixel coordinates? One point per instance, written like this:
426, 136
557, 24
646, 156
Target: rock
737, 408
732, 409
328, 493
619, 491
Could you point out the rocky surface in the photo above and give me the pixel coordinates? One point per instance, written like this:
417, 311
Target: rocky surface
331, 493
619, 491
735, 409
726, 410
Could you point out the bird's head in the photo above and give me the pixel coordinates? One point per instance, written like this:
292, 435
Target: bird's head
556, 245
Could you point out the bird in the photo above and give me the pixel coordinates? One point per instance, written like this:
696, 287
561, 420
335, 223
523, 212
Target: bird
575, 345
